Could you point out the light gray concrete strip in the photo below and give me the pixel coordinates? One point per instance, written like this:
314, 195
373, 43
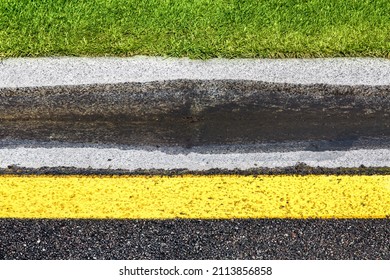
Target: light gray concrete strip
131, 160
175, 149
35, 72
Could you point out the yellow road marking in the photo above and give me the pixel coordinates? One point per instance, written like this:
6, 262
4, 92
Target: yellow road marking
195, 197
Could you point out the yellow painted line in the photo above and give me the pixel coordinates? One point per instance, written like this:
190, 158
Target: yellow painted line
195, 197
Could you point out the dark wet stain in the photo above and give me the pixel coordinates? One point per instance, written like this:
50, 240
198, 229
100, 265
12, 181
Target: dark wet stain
193, 113
252, 127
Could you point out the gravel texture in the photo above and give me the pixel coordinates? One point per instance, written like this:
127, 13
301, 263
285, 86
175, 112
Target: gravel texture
194, 239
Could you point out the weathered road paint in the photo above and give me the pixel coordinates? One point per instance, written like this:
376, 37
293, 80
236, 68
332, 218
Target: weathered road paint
194, 197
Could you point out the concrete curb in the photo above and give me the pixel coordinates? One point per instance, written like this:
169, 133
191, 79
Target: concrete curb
37, 72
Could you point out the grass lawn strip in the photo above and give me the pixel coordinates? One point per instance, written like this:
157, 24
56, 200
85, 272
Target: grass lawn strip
195, 28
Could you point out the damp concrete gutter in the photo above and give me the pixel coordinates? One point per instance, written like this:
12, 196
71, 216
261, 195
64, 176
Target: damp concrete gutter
146, 113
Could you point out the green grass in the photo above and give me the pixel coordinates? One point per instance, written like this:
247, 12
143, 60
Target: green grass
195, 28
